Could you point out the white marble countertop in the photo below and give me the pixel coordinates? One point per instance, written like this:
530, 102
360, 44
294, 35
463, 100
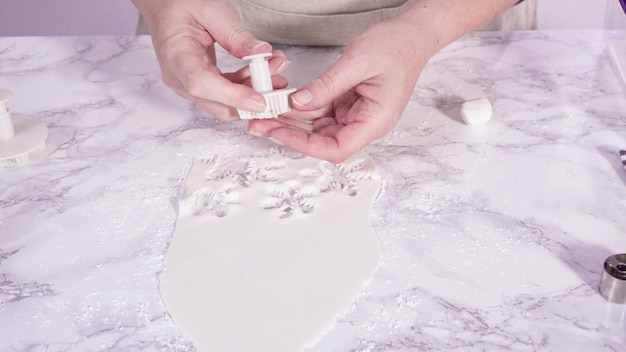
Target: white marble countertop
493, 237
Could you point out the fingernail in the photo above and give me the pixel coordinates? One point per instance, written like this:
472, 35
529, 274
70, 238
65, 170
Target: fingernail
275, 141
255, 44
256, 104
283, 66
255, 133
302, 97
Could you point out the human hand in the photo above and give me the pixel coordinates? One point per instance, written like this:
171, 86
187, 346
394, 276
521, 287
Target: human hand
184, 33
358, 99
363, 95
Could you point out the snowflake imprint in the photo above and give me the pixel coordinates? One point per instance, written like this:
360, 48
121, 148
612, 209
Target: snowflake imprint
206, 200
291, 196
343, 177
294, 181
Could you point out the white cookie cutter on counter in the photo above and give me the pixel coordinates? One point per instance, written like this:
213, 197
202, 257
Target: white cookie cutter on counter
20, 143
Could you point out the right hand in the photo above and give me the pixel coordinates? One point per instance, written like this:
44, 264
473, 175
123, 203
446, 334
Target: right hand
184, 33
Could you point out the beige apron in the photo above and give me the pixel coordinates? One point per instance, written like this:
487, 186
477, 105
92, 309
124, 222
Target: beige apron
336, 22
312, 22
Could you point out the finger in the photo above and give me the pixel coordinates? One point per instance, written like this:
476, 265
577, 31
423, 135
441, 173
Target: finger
344, 75
323, 126
313, 144
276, 53
226, 30
328, 140
204, 81
219, 111
211, 55
331, 141
226, 113
301, 124
311, 115
260, 127
223, 112
279, 82
277, 65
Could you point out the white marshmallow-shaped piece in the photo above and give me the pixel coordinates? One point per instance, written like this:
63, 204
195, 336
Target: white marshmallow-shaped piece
477, 111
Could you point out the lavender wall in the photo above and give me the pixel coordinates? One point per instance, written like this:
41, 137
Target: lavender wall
571, 14
66, 17
104, 17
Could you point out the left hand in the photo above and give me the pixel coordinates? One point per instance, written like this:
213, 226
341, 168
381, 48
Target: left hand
185, 33
358, 99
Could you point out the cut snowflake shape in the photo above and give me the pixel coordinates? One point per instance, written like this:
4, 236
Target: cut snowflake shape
264, 172
310, 172
216, 168
291, 196
294, 181
284, 153
207, 200
266, 168
343, 177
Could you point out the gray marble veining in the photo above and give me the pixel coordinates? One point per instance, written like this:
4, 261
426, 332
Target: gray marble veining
493, 237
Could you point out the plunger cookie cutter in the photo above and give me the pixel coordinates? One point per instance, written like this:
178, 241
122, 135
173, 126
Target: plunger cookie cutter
276, 101
23, 142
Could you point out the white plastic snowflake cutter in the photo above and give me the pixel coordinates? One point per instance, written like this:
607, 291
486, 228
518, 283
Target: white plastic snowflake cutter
276, 101
23, 142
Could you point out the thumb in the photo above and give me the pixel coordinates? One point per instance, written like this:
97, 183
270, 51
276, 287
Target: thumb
337, 80
232, 36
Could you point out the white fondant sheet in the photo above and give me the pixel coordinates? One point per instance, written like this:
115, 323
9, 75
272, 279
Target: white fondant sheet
243, 276
491, 237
